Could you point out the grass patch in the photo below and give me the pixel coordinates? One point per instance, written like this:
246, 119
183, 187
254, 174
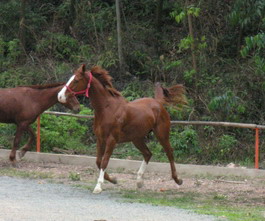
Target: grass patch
209, 204
88, 186
13, 172
74, 176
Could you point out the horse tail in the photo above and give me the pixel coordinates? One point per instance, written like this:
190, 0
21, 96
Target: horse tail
174, 95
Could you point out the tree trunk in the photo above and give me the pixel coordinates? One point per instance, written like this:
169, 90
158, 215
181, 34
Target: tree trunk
21, 32
239, 41
159, 10
70, 19
118, 16
193, 52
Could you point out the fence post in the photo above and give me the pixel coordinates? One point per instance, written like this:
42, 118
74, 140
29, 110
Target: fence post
38, 134
257, 149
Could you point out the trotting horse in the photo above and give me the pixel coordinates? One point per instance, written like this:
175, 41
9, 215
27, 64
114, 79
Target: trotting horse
22, 105
117, 120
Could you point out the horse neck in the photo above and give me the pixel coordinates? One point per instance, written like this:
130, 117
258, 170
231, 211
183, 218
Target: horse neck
49, 96
100, 98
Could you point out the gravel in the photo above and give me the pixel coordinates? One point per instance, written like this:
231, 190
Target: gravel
31, 200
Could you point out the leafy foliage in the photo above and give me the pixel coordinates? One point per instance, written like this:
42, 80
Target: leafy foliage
65, 132
229, 86
247, 12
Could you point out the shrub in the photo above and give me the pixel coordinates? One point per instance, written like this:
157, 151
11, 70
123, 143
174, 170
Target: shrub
225, 146
62, 47
64, 133
184, 142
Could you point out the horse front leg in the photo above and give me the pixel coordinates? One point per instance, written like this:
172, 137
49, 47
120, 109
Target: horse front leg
103, 163
28, 145
100, 153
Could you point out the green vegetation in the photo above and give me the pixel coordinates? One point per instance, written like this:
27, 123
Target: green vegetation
74, 176
215, 48
25, 174
209, 204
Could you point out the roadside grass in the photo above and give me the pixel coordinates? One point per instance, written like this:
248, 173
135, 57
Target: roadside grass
13, 172
210, 204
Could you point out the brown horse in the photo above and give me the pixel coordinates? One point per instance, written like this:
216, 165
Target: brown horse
22, 105
118, 121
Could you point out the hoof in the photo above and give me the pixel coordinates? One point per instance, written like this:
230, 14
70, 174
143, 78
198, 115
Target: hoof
140, 184
21, 154
15, 164
97, 190
114, 180
179, 181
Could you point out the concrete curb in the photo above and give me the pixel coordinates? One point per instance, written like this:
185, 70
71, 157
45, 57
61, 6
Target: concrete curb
134, 165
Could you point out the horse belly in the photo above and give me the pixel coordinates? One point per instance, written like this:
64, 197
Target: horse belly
136, 130
13, 112
6, 120
6, 116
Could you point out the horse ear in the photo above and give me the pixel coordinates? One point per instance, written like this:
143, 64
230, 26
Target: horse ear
83, 68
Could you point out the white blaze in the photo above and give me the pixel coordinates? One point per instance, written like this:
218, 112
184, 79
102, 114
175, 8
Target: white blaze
61, 95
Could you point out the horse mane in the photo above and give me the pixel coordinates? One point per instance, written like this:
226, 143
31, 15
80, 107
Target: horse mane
44, 86
105, 79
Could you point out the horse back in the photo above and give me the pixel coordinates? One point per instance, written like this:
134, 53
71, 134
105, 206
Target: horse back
142, 115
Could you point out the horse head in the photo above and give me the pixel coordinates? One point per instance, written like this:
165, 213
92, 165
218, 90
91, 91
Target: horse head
79, 83
72, 103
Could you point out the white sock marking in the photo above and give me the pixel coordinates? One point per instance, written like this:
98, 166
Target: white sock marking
98, 188
141, 171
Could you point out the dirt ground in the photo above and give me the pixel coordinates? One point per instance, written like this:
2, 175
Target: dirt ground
239, 190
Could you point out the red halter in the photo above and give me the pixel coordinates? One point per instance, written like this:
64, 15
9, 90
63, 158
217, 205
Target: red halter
86, 91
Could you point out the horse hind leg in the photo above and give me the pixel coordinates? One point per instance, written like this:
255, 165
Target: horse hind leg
162, 134
28, 145
18, 134
140, 145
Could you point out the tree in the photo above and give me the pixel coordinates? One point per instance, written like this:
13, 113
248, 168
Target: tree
70, 18
21, 32
118, 16
190, 42
159, 10
248, 17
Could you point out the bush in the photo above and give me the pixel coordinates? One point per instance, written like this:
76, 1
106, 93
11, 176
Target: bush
225, 146
7, 132
185, 142
62, 47
64, 132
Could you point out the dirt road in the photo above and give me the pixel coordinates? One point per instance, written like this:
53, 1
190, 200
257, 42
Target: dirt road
38, 199
31, 200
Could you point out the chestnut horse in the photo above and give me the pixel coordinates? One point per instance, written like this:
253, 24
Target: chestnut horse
117, 120
22, 105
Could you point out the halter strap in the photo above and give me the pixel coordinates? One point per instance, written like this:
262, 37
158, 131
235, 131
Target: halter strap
85, 91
